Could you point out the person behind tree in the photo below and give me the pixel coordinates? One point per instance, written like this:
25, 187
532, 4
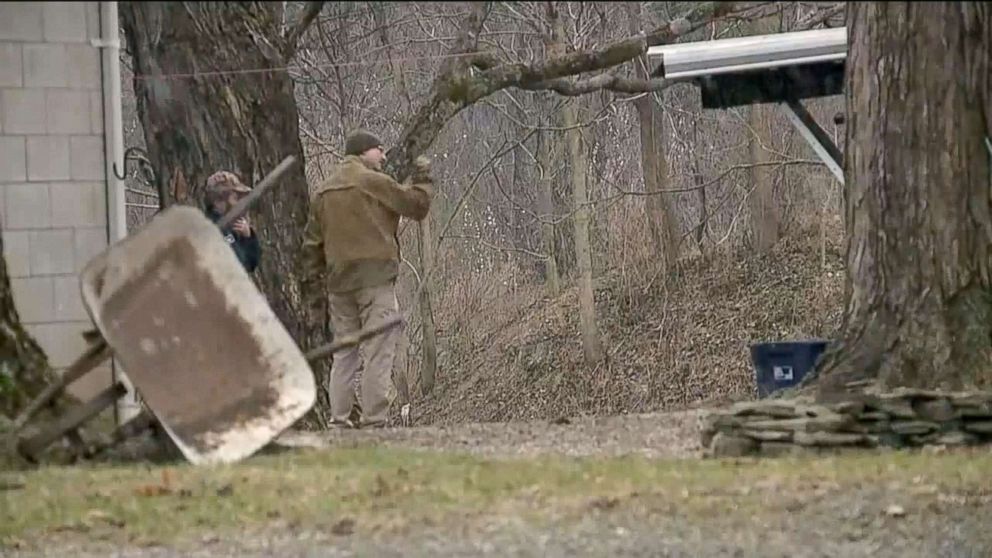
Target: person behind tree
222, 192
351, 257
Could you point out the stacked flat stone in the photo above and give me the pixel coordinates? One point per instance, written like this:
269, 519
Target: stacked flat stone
902, 418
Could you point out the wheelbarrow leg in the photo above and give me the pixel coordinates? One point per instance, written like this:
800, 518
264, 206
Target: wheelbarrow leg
93, 357
30, 447
141, 422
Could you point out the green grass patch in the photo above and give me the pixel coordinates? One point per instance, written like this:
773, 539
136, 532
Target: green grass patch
392, 489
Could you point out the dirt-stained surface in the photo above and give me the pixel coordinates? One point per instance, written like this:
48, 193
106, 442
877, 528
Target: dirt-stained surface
154, 329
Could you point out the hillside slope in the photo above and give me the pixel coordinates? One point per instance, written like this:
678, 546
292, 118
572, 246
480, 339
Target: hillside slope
670, 344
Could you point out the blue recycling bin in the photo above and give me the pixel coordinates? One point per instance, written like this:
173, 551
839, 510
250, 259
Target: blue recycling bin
785, 363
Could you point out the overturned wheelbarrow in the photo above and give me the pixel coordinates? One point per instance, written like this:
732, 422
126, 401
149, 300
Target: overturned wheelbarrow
198, 341
212, 363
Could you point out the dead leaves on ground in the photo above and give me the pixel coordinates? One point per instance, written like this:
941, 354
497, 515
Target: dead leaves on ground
159, 489
343, 527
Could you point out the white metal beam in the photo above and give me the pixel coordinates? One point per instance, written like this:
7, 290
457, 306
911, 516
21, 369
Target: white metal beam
811, 138
757, 52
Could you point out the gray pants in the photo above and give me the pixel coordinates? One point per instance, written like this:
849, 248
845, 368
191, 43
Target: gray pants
350, 313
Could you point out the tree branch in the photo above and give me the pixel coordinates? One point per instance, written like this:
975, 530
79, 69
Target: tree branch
310, 13
610, 82
463, 80
701, 15
442, 104
821, 17
527, 77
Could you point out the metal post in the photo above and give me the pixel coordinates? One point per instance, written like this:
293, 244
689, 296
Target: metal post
816, 138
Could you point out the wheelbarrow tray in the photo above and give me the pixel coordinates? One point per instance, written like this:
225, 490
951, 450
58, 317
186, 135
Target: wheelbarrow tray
198, 341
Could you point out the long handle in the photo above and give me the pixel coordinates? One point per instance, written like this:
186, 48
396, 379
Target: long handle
242, 206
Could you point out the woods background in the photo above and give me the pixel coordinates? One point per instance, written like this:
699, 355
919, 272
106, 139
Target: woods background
707, 230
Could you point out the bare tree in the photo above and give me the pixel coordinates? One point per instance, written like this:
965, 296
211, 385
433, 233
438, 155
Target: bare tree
918, 212
546, 211
662, 220
24, 369
202, 110
761, 203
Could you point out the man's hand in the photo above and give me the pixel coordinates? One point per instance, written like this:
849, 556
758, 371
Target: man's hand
241, 227
422, 168
422, 163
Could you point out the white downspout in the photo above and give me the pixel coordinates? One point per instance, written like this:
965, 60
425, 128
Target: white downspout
113, 134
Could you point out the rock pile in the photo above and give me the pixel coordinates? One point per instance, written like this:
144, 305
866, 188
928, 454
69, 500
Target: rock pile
903, 418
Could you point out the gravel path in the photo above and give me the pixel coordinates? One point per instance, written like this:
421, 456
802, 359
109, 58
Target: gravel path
653, 435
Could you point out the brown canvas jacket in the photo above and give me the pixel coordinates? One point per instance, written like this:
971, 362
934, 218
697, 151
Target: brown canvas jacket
350, 238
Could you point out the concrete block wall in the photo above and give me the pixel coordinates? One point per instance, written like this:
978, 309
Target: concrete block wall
53, 192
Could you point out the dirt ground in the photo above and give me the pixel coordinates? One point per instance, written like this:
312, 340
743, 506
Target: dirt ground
843, 526
889, 508
652, 435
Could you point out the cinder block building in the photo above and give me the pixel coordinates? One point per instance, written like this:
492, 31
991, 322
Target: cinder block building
60, 134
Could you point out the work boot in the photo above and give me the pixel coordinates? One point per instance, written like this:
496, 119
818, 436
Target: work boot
346, 425
355, 416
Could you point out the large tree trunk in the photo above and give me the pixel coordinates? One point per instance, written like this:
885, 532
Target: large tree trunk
919, 215
24, 370
213, 93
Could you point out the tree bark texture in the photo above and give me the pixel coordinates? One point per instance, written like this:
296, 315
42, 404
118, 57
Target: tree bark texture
546, 212
659, 212
428, 367
213, 94
592, 345
761, 202
24, 370
918, 208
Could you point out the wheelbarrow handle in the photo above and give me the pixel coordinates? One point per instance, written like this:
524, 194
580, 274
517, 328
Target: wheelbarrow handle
346, 341
242, 206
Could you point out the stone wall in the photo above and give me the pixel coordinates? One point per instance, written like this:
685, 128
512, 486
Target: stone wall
903, 418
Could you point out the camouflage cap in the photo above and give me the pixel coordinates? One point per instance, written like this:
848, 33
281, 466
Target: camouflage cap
222, 182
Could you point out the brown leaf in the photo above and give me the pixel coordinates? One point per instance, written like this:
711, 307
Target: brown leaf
381, 486
179, 186
343, 527
604, 502
149, 490
95, 516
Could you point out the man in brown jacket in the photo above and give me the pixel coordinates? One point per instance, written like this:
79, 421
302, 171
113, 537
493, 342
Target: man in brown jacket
350, 243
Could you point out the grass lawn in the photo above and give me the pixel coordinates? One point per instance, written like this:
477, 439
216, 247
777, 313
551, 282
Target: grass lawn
375, 489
